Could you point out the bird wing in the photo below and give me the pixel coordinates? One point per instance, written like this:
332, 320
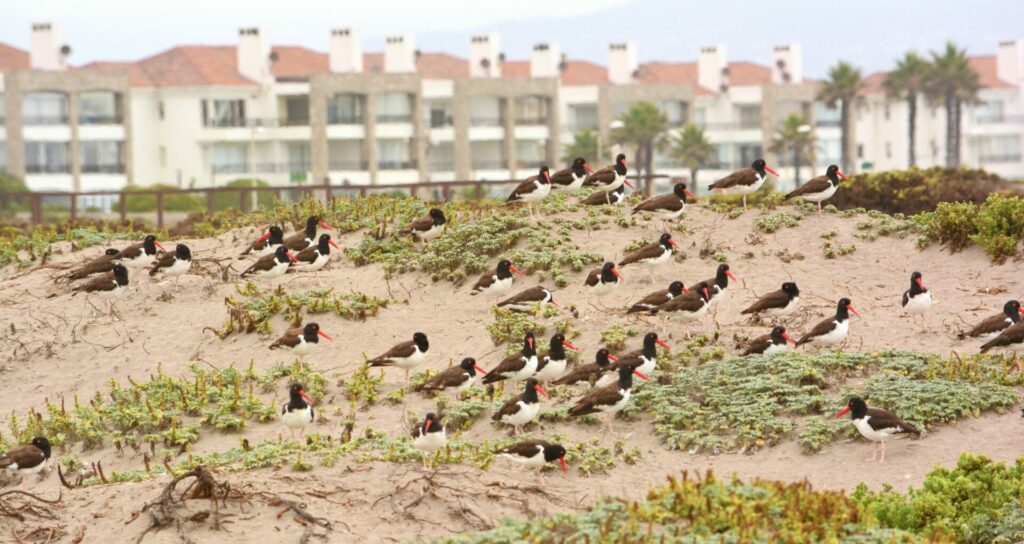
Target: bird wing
533, 294
744, 176
813, 185
650, 251
990, 325
527, 186
1013, 334
289, 339
775, 299
650, 302
605, 396
526, 448
99, 283
163, 260
758, 345
562, 177
400, 351
667, 202
823, 327
881, 420
486, 280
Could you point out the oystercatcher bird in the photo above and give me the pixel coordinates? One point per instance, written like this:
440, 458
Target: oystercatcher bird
300, 340
271, 266
31, 458
831, 331
718, 284
407, 355
173, 265
917, 300
1012, 339
610, 399
552, 366
429, 436
653, 254
299, 411
991, 326
745, 181
658, 298
612, 198
534, 454
611, 177
876, 425
524, 301
522, 408
459, 377
517, 367
668, 206
498, 282
644, 359
98, 265
428, 227
572, 178
534, 189
688, 306
106, 286
590, 372
142, 254
305, 238
313, 258
820, 188
266, 244
777, 303
773, 342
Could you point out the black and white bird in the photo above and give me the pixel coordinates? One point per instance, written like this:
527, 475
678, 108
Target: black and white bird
774, 342
820, 188
652, 255
603, 280
142, 254
833, 330
428, 227
658, 298
776, 303
534, 454
270, 266
668, 206
644, 359
266, 244
608, 400
521, 409
300, 341
31, 458
611, 177
525, 301
570, 179
1011, 339
314, 257
429, 436
459, 378
552, 366
497, 282
745, 180
991, 326
614, 197
407, 355
299, 411
516, 367
106, 286
876, 425
718, 285
917, 300
534, 189
173, 265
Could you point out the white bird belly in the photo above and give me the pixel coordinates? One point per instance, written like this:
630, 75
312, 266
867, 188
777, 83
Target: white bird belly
919, 304
431, 442
835, 336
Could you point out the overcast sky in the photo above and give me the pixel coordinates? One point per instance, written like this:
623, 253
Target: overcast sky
870, 33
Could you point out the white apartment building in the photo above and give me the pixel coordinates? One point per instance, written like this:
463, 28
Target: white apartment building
200, 116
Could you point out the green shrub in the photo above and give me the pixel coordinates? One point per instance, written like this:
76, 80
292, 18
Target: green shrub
1000, 225
231, 200
9, 183
915, 190
172, 203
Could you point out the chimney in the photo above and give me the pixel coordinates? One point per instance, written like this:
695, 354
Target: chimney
485, 55
621, 62
545, 60
400, 54
713, 68
1010, 61
254, 57
48, 52
346, 54
787, 64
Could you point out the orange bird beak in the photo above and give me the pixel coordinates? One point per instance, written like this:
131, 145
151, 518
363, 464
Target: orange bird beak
674, 244
841, 175
617, 274
306, 398
843, 412
772, 172
515, 270
541, 390
628, 184
788, 338
158, 245
850, 307
565, 468
918, 280
588, 168
324, 334
569, 345
663, 344
480, 370
292, 257
264, 237
613, 358
530, 340
323, 225
689, 194
729, 273
426, 426
333, 244
642, 377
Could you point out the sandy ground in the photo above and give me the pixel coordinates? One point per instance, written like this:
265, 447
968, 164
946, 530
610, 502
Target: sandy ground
61, 348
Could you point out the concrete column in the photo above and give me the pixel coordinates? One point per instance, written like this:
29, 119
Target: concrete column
15, 136
370, 152
420, 135
554, 151
75, 146
460, 119
318, 149
126, 124
604, 135
508, 113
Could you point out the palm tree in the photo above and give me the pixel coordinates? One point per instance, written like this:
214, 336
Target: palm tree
841, 87
643, 126
906, 82
951, 82
584, 144
692, 148
795, 138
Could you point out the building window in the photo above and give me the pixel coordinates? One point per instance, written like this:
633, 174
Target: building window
439, 113
885, 111
102, 157
298, 157
828, 152
825, 116
160, 110
675, 112
99, 108
163, 157
860, 151
989, 112
485, 111
3, 110
393, 107
296, 111
46, 158
442, 157
487, 155
224, 113
44, 108
749, 116
888, 150
345, 109
582, 116
394, 155
228, 158
996, 149
532, 110
748, 153
530, 154
345, 155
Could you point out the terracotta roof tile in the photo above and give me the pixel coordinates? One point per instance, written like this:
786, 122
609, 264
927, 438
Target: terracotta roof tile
134, 70
298, 62
515, 69
985, 66
581, 72
442, 66
12, 58
873, 84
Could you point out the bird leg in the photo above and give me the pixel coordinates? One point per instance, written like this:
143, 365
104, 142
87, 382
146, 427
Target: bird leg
819, 208
744, 202
874, 453
882, 460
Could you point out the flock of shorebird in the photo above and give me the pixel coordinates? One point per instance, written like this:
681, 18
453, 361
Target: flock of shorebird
609, 376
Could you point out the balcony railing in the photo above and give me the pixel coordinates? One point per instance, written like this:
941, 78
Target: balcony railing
529, 121
339, 117
578, 126
827, 122
353, 165
100, 120
485, 121
48, 168
397, 165
442, 166
1002, 157
394, 118
529, 164
998, 119
441, 122
668, 163
102, 168
718, 126
490, 164
61, 119
261, 168
294, 122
